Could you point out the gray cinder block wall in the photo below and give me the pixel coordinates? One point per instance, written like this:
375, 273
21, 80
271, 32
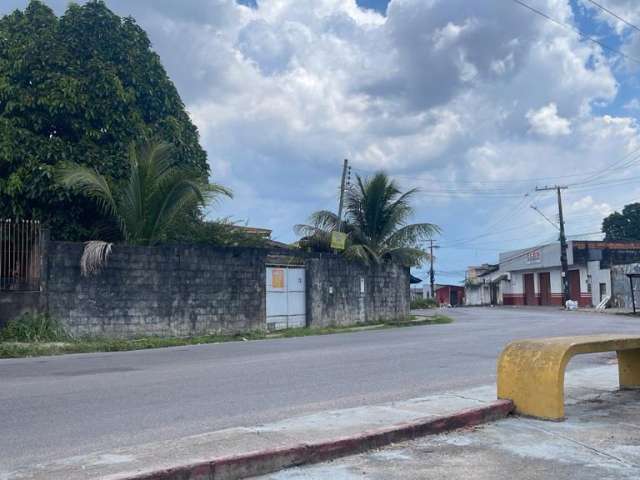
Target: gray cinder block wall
196, 290
344, 293
178, 291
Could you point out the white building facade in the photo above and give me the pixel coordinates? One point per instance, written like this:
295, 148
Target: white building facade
533, 276
536, 276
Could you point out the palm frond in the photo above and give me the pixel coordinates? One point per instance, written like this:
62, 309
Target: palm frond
304, 230
362, 253
184, 192
376, 222
412, 234
88, 182
324, 220
211, 192
157, 193
407, 256
94, 257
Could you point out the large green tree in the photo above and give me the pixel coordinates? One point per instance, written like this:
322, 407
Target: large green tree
376, 223
80, 88
623, 226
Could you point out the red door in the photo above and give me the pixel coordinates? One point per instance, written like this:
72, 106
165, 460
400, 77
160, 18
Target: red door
545, 288
574, 285
529, 289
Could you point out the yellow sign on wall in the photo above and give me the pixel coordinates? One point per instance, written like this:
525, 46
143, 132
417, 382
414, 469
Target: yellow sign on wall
338, 240
277, 278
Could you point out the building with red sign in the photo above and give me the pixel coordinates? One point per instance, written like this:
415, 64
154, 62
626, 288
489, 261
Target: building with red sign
533, 276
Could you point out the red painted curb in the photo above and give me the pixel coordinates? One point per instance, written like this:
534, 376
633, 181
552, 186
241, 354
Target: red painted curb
266, 461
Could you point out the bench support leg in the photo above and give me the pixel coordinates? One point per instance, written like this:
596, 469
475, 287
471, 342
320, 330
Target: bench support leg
533, 382
629, 369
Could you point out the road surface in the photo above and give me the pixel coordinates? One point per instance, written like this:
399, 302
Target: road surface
57, 407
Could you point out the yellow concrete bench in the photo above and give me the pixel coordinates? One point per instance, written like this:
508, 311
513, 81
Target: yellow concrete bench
531, 372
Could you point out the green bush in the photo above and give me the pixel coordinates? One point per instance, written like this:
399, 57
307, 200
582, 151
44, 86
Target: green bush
33, 327
422, 303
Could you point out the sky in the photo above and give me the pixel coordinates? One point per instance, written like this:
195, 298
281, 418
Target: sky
473, 102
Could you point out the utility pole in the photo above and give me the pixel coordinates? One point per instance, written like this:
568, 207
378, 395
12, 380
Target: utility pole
432, 275
342, 188
563, 239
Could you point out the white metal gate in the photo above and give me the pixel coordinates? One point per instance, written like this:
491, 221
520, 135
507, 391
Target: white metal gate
286, 306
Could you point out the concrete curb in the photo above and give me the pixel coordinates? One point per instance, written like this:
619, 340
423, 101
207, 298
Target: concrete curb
267, 461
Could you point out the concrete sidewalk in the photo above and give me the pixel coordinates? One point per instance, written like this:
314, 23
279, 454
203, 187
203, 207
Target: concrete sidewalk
184, 458
602, 433
599, 440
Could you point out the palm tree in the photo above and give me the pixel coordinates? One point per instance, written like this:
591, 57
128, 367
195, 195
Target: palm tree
149, 204
376, 224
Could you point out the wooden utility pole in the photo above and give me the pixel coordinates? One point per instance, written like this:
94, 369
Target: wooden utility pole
342, 188
563, 240
432, 275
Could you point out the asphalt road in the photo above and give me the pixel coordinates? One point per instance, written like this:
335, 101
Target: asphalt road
57, 407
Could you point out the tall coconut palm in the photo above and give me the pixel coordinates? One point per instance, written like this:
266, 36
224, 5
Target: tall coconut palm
376, 224
153, 200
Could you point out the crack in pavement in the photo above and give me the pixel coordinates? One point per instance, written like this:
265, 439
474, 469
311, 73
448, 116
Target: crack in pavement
582, 444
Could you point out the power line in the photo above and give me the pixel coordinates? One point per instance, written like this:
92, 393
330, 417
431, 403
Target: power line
614, 15
537, 232
509, 212
624, 162
612, 182
577, 30
462, 192
458, 242
482, 182
454, 188
544, 216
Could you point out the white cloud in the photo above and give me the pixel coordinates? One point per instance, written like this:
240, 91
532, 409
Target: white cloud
588, 205
546, 121
443, 93
627, 9
633, 104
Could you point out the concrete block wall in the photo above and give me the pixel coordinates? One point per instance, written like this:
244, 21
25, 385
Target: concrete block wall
169, 291
16, 304
197, 290
345, 293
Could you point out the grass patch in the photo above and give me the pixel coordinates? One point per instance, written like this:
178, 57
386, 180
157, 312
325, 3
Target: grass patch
423, 303
33, 327
411, 321
14, 346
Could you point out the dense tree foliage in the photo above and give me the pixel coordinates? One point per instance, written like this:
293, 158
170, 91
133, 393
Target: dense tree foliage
376, 224
623, 226
80, 88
